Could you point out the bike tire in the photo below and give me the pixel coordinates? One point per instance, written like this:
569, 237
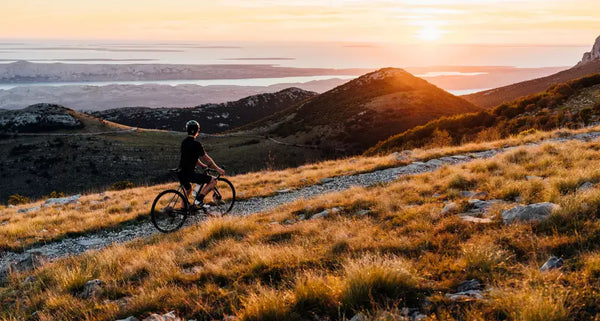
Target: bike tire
222, 206
164, 213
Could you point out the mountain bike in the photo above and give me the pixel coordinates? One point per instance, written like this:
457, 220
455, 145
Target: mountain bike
171, 207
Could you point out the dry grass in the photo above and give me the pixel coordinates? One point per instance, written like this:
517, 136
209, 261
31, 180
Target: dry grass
401, 253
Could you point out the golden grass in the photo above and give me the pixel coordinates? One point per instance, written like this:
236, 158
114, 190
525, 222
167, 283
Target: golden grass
402, 252
47, 224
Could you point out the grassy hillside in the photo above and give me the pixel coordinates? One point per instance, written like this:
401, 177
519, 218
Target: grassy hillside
356, 115
494, 97
403, 253
213, 118
572, 105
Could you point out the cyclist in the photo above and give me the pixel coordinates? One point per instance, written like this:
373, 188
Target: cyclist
191, 152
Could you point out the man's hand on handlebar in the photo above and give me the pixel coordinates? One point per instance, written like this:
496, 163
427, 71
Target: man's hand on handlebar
220, 171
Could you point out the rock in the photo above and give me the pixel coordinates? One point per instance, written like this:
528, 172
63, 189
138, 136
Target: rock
468, 285
362, 212
436, 195
449, 208
34, 260
165, 317
130, 318
472, 219
91, 288
288, 222
11, 206
480, 195
552, 263
359, 317
585, 186
29, 210
320, 215
465, 296
591, 55
326, 180
301, 217
193, 269
532, 177
460, 157
434, 162
533, 212
336, 209
63, 200
30, 279
465, 193
519, 199
284, 191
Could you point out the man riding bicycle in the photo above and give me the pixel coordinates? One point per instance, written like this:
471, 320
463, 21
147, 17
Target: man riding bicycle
191, 151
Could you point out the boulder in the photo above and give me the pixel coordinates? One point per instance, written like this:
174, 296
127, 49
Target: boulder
465, 295
585, 186
63, 200
91, 288
527, 213
130, 318
552, 263
29, 210
326, 180
325, 213
449, 208
165, 317
480, 195
468, 285
362, 212
465, 193
284, 191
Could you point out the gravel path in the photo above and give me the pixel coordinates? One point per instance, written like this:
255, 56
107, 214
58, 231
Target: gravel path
102, 239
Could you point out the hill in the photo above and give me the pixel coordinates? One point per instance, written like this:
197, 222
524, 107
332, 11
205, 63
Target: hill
589, 64
353, 117
440, 245
213, 118
52, 148
572, 105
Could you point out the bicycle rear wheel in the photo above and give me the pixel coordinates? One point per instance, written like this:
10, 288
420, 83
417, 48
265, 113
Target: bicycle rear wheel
220, 200
169, 211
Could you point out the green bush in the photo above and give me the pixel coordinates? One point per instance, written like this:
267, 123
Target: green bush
118, 186
17, 199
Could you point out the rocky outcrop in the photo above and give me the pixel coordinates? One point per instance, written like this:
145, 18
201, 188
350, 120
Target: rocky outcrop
36, 118
591, 55
533, 212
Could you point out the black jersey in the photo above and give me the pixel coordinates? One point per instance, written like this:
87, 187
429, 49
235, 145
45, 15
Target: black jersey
191, 150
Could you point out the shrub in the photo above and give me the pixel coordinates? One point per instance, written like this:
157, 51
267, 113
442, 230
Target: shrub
460, 182
118, 186
267, 305
17, 199
378, 281
483, 258
55, 194
315, 295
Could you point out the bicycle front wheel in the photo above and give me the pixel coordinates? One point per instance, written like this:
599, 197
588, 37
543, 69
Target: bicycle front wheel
169, 211
220, 200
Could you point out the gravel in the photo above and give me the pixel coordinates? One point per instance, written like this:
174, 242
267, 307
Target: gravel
101, 239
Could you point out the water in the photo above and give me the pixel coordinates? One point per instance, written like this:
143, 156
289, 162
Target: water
201, 82
290, 54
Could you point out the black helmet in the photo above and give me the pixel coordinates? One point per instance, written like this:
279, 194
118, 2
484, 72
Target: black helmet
192, 127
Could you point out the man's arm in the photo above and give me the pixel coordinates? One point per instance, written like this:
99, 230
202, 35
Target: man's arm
212, 164
201, 164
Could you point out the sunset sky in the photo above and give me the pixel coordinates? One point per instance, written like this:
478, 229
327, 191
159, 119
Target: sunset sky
572, 22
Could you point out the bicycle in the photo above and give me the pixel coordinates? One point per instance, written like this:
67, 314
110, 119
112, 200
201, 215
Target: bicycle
171, 207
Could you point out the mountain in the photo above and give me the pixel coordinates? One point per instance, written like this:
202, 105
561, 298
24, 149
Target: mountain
572, 104
593, 55
354, 116
490, 98
37, 118
212, 117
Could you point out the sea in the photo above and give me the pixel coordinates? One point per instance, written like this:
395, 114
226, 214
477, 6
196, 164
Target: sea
337, 55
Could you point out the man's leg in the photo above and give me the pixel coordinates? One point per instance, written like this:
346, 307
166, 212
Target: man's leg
207, 188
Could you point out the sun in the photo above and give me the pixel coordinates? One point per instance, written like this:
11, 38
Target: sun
429, 32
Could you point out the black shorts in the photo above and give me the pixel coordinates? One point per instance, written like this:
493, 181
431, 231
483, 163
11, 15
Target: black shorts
187, 178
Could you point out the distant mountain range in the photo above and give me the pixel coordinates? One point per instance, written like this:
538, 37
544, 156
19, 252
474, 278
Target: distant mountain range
589, 64
213, 118
354, 116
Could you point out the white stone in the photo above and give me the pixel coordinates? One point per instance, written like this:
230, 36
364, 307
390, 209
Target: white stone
533, 212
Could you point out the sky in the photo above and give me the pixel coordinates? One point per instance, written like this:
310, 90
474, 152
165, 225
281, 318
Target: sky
495, 22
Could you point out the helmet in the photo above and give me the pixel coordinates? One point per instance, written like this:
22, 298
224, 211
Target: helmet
192, 127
